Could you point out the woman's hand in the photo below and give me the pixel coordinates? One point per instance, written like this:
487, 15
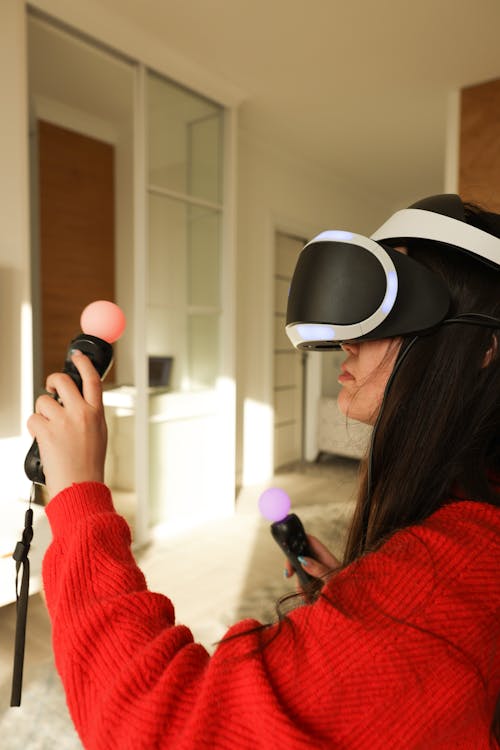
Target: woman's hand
72, 438
320, 566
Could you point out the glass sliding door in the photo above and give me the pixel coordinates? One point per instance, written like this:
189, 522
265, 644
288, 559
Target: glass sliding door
184, 305
170, 401
81, 136
184, 288
185, 141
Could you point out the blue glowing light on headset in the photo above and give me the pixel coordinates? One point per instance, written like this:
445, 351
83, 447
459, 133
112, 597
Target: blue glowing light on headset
334, 235
316, 332
391, 292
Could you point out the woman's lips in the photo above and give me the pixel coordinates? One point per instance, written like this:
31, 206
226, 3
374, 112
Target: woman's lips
345, 375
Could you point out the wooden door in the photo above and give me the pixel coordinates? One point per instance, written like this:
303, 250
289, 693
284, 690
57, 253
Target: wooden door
479, 153
76, 219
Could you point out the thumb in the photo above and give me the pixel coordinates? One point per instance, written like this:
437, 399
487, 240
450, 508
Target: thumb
313, 567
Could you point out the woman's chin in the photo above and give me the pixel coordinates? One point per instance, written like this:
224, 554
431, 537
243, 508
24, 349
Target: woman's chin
351, 407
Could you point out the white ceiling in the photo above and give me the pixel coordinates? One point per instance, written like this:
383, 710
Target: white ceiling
359, 87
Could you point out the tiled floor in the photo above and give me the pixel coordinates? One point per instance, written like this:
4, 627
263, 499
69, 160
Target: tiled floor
209, 572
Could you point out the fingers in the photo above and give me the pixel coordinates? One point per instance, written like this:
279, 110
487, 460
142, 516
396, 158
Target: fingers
322, 553
59, 385
35, 424
92, 387
47, 406
64, 386
314, 568
319, 565
63, 392
71, 431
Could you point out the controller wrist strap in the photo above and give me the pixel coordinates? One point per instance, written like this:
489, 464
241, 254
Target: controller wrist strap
21, 557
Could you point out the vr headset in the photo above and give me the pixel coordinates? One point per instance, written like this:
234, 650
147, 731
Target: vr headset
347, 287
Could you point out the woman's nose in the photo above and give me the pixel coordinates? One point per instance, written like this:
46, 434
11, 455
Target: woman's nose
349, 347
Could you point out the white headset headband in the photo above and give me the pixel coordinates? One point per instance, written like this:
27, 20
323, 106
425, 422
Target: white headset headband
428, 225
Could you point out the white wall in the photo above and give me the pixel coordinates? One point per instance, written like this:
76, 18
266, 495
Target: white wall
92, 17
15, 319
277, 191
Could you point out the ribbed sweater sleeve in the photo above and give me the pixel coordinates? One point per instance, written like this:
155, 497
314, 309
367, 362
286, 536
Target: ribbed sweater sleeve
400, 651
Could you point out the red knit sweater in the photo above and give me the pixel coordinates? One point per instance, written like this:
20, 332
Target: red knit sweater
401, 652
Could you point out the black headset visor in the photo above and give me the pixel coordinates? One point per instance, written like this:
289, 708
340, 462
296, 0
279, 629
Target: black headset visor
348, 287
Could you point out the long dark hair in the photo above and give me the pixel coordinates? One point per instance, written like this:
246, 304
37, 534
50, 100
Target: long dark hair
444, 408
439, 428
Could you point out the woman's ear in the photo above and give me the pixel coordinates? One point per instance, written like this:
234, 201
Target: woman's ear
492, 352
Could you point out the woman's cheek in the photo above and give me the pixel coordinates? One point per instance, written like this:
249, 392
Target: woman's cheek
348, 403
357, 404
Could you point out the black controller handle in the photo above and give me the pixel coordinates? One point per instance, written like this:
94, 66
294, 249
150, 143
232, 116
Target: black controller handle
100, 354
291, 537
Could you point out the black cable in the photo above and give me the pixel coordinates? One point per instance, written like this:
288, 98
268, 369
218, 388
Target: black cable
475, 319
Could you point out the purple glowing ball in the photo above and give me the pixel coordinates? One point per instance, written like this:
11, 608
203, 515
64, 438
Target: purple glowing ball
274, 504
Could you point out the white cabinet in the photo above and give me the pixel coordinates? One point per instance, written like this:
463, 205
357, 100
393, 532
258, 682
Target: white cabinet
189, 456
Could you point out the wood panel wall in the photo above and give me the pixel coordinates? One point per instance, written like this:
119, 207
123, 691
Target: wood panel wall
479, 149
77, 218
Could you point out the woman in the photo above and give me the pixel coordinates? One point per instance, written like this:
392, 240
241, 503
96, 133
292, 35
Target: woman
400, 650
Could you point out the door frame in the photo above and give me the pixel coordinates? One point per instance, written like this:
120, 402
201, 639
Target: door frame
313, 368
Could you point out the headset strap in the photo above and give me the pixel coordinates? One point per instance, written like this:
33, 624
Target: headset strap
22, 597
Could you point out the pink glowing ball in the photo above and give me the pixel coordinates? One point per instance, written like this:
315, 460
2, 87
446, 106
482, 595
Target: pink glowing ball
274, 504
104, 320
